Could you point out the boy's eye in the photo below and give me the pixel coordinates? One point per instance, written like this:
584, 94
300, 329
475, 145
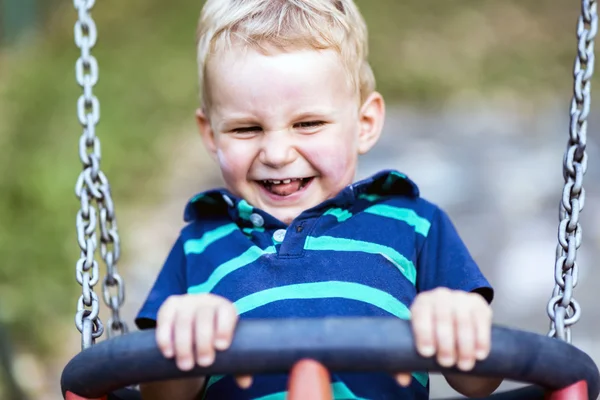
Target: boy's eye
247, 129
309, 124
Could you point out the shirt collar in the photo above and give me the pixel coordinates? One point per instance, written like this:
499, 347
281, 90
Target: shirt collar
217, 202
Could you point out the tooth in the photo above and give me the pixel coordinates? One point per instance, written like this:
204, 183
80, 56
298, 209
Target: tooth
276, 182
287, 181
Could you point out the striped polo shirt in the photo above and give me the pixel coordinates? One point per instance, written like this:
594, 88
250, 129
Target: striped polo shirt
366, 252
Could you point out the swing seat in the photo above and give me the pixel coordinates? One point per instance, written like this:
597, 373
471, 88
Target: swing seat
527, 393
338, 344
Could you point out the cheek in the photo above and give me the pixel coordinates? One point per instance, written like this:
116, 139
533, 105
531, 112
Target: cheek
335, 160
234, 160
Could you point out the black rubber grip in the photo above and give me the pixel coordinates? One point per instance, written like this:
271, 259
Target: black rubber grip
341, 344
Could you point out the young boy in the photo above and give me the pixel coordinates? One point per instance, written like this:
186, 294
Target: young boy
288, 104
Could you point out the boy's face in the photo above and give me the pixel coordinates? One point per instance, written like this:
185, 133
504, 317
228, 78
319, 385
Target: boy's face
286, 128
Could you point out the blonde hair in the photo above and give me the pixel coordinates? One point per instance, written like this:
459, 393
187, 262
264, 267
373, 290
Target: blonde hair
287, 24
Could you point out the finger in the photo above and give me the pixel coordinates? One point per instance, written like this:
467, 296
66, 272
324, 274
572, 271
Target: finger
244, 381
483, 331
165, 321
183, 336
445, 335
204, 330
403, 379
465, 331
225, 320
423, 327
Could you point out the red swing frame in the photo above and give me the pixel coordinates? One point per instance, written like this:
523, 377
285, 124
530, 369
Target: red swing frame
309, 379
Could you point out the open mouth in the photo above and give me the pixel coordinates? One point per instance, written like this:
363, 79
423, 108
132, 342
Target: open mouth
285, 187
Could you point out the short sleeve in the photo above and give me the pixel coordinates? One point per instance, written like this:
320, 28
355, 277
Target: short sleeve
445, 261
170, 281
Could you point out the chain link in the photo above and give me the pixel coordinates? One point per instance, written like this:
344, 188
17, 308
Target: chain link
562, 308
93, 191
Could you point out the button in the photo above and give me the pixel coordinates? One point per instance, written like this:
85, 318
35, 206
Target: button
279, 235
228, 200
257, 220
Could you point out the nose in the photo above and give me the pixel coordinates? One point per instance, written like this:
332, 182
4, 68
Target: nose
277, 149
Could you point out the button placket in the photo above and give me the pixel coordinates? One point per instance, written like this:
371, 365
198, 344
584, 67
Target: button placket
279, 235
257, 220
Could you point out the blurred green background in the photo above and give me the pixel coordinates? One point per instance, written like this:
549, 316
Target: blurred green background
425, 52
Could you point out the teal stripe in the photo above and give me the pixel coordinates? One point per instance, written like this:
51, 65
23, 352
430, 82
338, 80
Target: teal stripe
392, 178
197, 246
324, 290
248, 257
211, 381
249, 231
197, 197
398, 175
274, 396
421, 377
421, 225
339, 390
370, 197
339, 213
244, 209
407, 215
341, 244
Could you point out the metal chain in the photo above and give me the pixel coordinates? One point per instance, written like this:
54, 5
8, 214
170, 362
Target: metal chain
562, 308
93, 191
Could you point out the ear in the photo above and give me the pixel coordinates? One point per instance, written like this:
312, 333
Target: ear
371, 117
206, 132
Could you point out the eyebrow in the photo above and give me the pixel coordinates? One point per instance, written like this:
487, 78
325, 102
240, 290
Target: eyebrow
317, 113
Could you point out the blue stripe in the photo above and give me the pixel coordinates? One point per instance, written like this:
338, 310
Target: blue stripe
324, 290
197, 246
246, 258
342, 244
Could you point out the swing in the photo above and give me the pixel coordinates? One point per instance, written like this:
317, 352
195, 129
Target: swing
308, 348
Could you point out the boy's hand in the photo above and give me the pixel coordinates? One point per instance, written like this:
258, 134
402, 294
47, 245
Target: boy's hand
454, 325
191, 327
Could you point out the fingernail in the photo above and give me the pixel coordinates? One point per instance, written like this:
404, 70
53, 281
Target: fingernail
205, 361
427, 351
185, 364
466, 364
221, 344
168, 353
446, 361
481, 354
